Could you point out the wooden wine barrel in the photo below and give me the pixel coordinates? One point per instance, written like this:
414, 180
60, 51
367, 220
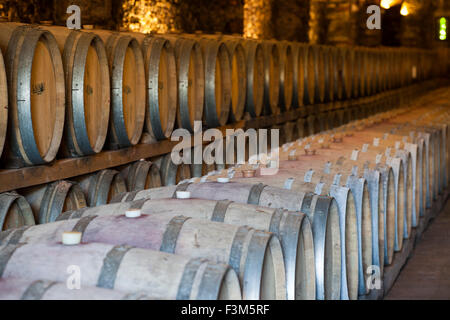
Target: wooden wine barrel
191, 81
383, 70
22, 289
389, 77
271, 77
159, 275
357, 81
298, 63
238, 70
87, 91
162, 88
36, 94
378, 71
14, 211
344, 73
50, 200
320, 73
216, 60
321, 210
368, 71
3, 104
289, 131
286, 91
99, 188
127, 72
293, 230
309, 75
302, 129
255, 77
256, 256
172, 173
141, 175
337, 77
330, 73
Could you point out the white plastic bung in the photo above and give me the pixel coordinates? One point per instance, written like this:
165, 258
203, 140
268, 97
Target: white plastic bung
133, 213
183, 194
71, 238
223, 180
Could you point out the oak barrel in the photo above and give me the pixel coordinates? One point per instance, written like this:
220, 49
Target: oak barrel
36, 94
87, 91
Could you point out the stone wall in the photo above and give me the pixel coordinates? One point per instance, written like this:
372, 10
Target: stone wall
257, 19
318, 21
290, 19
102, 13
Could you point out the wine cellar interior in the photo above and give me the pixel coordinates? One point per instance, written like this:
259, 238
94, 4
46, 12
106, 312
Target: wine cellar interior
224, 150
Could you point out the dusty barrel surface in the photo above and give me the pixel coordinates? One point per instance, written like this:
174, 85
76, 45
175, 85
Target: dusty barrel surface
141, 175
124, 268
293, 230
256, 256
217, 82
271, 77
22, 289
238, 73
36, 94
99, 188
191, 81
87, 85
14, 211
255, 77
322, 211
298, 63
3, 104
50, 200
127, 73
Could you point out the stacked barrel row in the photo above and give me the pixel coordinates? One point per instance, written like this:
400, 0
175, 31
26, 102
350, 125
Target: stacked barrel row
326, 225
388, 171
44, 203
68, 93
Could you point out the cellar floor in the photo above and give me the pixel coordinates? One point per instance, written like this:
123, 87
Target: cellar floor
426, 275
